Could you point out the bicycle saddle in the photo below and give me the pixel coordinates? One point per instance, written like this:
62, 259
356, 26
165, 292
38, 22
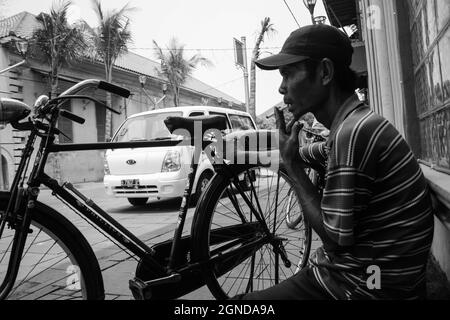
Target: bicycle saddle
252, 147
195, 125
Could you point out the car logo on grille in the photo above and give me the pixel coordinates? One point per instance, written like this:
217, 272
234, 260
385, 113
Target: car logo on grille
131, 162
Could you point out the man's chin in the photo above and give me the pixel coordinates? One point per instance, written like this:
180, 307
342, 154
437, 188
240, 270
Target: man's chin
296, 115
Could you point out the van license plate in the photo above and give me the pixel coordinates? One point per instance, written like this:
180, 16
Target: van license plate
130, 183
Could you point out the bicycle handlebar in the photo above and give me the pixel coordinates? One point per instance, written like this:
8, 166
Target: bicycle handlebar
125, 93
71, 93
100, 85
69, 115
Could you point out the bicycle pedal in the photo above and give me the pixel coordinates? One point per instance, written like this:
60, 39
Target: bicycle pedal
140, 290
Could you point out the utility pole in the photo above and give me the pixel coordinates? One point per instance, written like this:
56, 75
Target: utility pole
240, 54
247, 91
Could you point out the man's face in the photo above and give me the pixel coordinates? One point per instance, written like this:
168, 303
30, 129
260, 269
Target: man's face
302, 92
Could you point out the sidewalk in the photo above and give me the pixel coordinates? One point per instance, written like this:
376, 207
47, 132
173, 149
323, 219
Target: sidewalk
118, 268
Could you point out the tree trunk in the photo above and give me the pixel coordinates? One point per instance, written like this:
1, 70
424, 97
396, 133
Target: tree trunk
108, 120
252, 102
255, 55
54, 92
175, 95
54, 82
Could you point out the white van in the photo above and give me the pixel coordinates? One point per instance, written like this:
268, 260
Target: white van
160, 172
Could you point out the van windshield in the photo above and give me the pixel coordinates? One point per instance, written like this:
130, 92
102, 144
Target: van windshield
144, 128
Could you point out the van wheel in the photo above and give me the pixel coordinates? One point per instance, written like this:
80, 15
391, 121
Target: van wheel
137, 202
202, 183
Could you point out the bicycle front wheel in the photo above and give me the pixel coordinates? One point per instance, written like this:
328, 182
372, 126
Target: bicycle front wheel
238, 253
57, 261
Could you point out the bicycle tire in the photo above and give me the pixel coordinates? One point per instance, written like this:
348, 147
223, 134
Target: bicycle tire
293, 220
57, 264
261, 268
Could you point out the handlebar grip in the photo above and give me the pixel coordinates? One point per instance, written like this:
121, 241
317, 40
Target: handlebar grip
114, 89
71, 116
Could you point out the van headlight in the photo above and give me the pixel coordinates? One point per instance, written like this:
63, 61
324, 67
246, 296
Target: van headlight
106, 167
172, 161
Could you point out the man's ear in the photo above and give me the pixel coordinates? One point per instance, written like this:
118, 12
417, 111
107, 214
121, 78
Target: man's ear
327, 72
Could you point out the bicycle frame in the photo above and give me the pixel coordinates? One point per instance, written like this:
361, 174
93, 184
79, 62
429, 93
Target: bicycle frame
22, 202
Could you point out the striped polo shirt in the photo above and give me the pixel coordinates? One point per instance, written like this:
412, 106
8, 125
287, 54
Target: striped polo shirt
375, 206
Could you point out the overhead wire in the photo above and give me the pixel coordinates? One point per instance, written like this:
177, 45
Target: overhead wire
293, 16
187, 49
198, 49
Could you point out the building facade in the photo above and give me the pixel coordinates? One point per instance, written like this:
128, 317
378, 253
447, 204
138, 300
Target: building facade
134, 72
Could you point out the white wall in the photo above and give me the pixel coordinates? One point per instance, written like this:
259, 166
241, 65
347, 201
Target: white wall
383, 60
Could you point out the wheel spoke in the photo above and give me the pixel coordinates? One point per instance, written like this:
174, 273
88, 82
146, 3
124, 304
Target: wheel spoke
272, 197
44, 268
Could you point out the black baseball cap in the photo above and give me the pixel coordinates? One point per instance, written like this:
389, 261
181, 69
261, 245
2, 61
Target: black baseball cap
313, 41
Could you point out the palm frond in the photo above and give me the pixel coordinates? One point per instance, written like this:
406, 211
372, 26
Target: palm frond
175, 67
97, 6
60, 42
112, 36
267, 30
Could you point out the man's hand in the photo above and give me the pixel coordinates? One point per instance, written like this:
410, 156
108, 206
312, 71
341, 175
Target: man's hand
289, 144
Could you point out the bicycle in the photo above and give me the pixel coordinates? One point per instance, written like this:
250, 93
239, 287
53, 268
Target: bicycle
238, 241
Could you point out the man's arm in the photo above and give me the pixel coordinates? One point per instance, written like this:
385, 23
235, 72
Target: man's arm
307, 193
310, 201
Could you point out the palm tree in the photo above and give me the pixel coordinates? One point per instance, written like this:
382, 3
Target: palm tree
266, 29
175, 67
59, 42
111, 39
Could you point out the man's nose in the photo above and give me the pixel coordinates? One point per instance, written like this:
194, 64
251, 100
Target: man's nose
282, 89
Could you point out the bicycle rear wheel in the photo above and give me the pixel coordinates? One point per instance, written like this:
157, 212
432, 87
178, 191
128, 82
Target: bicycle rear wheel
57, 261
294, 212
295, 215
226, 233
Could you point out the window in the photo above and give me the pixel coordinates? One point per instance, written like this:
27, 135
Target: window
14, 88
430, 44
239, 123
212, 113
145, 128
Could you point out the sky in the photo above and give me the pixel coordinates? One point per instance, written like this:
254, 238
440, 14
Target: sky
203, 26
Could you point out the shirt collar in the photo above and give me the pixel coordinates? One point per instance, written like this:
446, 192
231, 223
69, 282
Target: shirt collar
344, 111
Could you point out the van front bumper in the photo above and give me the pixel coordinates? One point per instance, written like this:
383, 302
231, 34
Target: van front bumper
158, 186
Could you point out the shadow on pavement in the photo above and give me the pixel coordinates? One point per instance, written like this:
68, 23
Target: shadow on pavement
151, 207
